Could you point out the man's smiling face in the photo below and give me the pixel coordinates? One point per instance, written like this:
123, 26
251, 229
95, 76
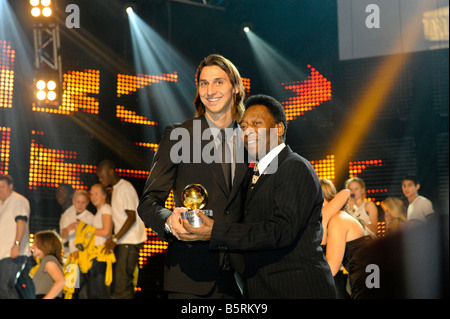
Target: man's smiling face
260, 133
215, 90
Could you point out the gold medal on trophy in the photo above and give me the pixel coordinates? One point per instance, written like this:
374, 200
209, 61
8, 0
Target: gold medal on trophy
195, 197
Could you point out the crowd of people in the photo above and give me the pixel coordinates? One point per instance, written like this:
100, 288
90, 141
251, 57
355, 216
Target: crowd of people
278, 230
92, 256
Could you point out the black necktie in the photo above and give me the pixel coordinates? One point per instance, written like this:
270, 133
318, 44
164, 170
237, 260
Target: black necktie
226, 165
255, 176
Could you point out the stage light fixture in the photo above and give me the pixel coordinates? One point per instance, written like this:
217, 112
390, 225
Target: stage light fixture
40, 84
51, 95
42, 7
246, 29
46, 12
129, 9
51, 85
40, 95
35, 12
46, 90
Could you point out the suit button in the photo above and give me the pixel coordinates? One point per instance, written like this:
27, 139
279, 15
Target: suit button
246, 212
227, 212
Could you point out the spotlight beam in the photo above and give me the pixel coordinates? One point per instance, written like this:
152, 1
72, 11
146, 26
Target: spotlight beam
109, 137
154, 56
274, 66
94, 47
372, 101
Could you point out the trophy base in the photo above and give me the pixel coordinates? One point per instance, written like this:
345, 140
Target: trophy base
193, 219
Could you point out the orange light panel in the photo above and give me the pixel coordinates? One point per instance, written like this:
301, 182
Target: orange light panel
131, 117
51, 167
325, 168
127, 84
133, 173
5, 146
77, 88
152, 146
310, 93
153, 245
355, 168
7, 57
246, 83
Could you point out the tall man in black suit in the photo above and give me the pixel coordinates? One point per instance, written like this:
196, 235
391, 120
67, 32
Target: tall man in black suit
282, 230
192, 270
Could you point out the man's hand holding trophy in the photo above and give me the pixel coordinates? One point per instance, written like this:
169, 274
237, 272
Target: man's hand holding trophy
191, 222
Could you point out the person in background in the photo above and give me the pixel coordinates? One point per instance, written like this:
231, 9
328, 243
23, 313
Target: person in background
63, 196
103, 229
68, 227
129, 230
332, 204
345, 244
394, 213
360, 208
14, 236
420, 209
49, 277
69, 219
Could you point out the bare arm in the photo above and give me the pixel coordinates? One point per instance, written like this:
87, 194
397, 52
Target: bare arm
58, 277
20, 231
65, 231
106, 230
336, 241
131, 219
334, 206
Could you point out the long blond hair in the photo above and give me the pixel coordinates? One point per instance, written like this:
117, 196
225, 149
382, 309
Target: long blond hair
397, 209
238, 108
328, 188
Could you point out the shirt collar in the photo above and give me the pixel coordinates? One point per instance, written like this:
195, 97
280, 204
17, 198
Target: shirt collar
215, 130
268, 158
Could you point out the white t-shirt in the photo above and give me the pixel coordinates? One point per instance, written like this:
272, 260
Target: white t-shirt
14, 206
419, 209
68, 217
97, 222
124, 197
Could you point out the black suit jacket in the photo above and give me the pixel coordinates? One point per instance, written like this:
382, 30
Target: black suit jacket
281, 233
190, 268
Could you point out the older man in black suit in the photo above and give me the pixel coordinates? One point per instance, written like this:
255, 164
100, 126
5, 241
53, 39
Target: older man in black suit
281, 231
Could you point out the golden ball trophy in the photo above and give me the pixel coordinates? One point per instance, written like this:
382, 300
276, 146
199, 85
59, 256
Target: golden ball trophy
195, 197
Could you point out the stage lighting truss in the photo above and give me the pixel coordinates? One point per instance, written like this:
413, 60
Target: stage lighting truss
47, 46
47, 59
41, 8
